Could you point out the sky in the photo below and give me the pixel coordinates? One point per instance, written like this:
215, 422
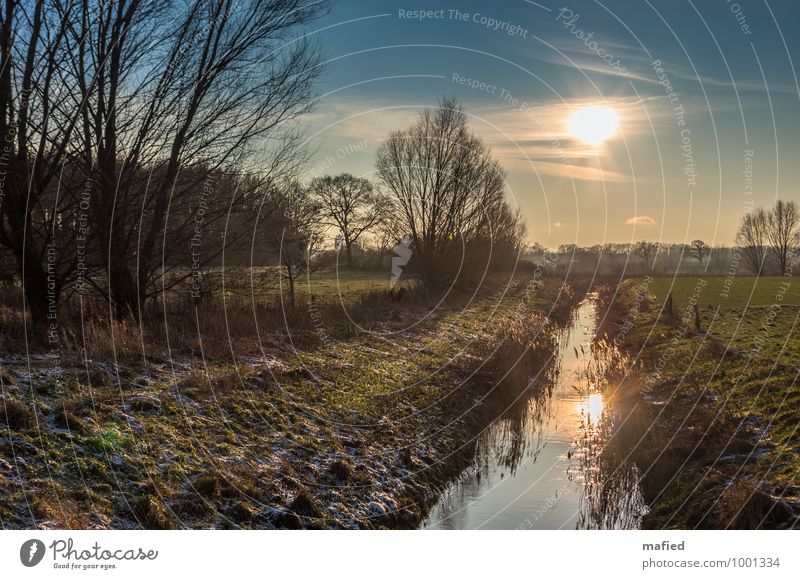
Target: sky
706, 94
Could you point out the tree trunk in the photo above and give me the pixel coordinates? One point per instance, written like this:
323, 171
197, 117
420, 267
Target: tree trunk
698, 326
34, 278
349, 253
32, 271
290, 278
669, 310
124, 291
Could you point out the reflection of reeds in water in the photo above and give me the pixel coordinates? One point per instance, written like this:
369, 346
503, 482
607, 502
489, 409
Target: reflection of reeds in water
610, 494
526, 367
520, 432
509, 439
578, 371
611, 497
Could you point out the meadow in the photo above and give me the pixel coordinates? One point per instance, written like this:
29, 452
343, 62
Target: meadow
759, 316
236, 304
308, 429
724, 446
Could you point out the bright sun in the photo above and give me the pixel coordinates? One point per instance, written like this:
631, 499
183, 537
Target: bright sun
594, 124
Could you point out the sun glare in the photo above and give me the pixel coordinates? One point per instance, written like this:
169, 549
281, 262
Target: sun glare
594, 124
592, 407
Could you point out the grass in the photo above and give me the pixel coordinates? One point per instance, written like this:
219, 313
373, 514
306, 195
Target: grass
345, 285
760, 316
333, 285
295, 434
726, 399
733, 292
252, 303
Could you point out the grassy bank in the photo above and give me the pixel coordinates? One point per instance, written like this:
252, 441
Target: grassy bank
238, 304
758, 316
355, 431
723, 450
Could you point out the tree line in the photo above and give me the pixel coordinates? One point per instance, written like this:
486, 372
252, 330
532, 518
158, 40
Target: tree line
767, 243
143, 140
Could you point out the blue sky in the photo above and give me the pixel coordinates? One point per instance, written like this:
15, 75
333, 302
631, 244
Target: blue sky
521, 69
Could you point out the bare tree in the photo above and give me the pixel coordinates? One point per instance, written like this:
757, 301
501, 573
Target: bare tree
443, 183
350, 204
646, 250
36, 127
385, 235
184, 93
294, 233
500, 243
752, 237
783, 228
698, 250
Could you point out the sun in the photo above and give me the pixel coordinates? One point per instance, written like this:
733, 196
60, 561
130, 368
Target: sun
594, 124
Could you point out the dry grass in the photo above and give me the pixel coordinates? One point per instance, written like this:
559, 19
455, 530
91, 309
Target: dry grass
15, 414
327, 309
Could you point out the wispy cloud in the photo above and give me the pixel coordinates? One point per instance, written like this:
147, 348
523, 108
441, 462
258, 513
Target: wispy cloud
632, 60
565, 170
528, 137
572, 54
640, 220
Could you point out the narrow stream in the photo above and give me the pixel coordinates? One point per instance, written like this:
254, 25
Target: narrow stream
558, 460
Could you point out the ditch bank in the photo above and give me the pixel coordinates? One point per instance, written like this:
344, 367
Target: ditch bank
705, 461
360, 433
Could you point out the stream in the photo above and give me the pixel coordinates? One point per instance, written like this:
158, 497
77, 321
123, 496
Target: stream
558, 459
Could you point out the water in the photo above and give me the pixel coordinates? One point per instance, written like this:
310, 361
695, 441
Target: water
558, 460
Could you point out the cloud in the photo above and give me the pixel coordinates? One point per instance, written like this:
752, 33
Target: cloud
573, 55
564, 170
527, 138
640, 220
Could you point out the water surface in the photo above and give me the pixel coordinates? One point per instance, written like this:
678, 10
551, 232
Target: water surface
556, 460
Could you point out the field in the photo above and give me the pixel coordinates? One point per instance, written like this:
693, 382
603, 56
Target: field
724, 443
237, 303
760, 316
330, 284
344, 285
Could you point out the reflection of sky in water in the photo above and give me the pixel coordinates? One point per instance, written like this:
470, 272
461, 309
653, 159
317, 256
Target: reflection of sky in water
539, 466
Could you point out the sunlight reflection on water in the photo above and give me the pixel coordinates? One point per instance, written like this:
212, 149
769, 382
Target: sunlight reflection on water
592, 406
546, 463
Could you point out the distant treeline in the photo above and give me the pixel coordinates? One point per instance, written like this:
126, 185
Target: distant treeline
633, 259
768, 243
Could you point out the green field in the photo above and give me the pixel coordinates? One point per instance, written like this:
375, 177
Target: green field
333, 284
340, 285
756, 315
733, 292
730, 392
